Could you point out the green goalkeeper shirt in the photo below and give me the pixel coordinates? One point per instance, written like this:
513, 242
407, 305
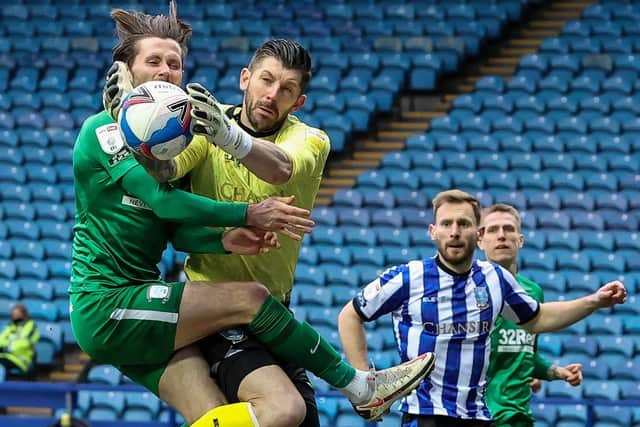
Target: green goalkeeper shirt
514, 362
124, 218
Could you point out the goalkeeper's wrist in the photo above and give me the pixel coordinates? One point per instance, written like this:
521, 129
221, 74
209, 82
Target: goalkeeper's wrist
237, 142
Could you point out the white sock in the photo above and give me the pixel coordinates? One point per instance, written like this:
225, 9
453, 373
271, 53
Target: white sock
360, 388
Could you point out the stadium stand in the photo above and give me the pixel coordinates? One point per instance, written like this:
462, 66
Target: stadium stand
558, 139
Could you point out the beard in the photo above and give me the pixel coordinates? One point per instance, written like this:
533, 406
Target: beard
458, 257
262, 125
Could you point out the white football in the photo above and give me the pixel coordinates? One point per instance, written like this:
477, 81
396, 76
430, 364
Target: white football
155, 119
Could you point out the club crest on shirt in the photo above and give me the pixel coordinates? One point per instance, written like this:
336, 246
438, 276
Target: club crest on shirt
109, 138
482, 297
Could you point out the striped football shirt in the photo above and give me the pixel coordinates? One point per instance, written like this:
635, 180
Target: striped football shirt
452, 315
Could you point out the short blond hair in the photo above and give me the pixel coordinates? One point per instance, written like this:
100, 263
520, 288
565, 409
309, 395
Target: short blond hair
502, 207
456, 196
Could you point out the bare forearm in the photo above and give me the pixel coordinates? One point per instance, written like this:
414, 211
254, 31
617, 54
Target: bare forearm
268, 162
352, 336
557, 315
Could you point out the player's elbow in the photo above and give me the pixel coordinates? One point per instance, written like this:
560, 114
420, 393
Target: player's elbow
348, 316
280, 174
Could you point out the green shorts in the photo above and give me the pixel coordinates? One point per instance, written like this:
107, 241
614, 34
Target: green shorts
132, 327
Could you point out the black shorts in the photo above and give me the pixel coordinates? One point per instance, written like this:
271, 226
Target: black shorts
232, 361
409, 420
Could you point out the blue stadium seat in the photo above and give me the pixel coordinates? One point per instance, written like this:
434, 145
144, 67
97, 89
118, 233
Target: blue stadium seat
589, 164
538, 260
10, 290
543, 200
45, 353
327, 235
310, 295
36, 289
392, 236
595, 389
552, 145
536, 240
332, 254
54, 211
597, 240
324, 216
613, 201
41, 310
551, 344
142, 403
38, 173
410, 198
595, 369
310, 274
620, 221
349, 420
308, 256
544, 413
604, 324
26, 79
356, 217
112, 402
359, 236
583, 201
553, 220
630, 390
561, 389
8, 269
55, 230
519, 201
19, 211
613, 416
618, 346
583, 220
631, 325
563, 240
416, 217
371, 255
51, 333
59, 268
19, 229
327, 316
374, 198
343, 294
386, 218
581, 144
56, 249
394, 255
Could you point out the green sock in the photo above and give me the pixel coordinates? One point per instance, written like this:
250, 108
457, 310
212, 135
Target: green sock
299, 343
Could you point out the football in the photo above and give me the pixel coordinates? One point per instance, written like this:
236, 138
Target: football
155, 119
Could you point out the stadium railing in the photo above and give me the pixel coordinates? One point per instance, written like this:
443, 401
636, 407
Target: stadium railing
64, 395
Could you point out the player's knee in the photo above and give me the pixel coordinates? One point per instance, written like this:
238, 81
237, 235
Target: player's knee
291, 410
256, 294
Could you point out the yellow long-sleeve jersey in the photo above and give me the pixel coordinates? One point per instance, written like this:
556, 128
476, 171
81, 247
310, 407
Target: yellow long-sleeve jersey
216, 174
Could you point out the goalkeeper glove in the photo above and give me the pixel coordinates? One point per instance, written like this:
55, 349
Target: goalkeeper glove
118, 84
210, 121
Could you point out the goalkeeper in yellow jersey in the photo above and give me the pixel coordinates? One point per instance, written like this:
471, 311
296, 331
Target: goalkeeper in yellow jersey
247, 153
276, 154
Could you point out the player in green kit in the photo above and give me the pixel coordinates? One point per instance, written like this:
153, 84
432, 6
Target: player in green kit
515, 365
123, 315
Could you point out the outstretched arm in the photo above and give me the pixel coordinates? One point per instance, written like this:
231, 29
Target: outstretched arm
273, 214
243, 240
557, 315
180, 206
265, 159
